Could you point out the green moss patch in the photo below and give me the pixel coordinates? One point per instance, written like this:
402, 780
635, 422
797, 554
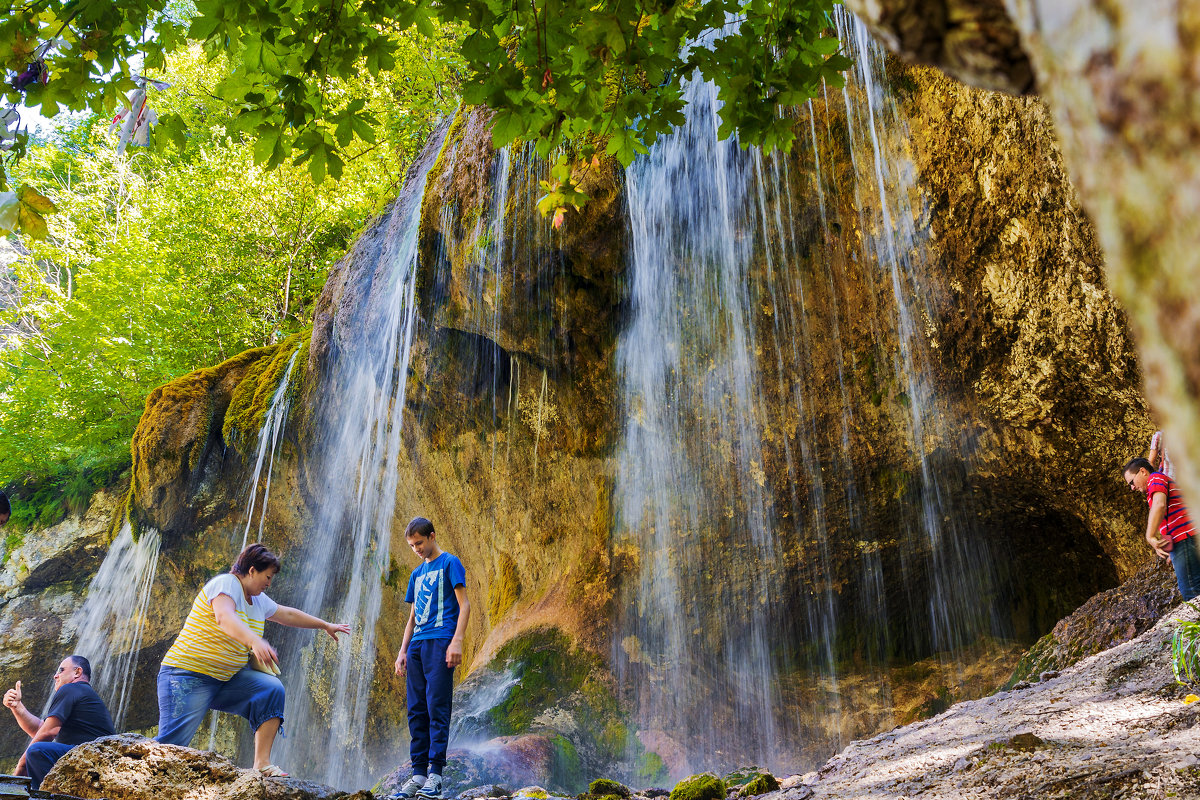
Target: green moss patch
760, 784
252, 396
651, 769
704, 786
548, 667
605, 787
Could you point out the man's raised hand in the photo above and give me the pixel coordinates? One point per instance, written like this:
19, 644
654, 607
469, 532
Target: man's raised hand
12, 698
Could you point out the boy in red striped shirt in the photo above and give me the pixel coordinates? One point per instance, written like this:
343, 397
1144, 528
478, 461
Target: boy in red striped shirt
1169, 529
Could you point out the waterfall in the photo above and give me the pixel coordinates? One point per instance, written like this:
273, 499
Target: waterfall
268, 444
345, 555
960, 561
110, 622
690, 459
735, 490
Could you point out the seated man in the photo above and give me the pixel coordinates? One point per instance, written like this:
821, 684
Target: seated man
77, 715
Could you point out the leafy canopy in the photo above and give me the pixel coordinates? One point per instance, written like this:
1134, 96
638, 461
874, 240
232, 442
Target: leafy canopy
166, 260
582, 73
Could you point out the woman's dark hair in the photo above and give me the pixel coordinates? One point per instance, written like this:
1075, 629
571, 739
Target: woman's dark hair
255, 556
419, 525
1137, 465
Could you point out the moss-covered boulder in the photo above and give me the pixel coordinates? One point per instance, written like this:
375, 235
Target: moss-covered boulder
179, 455
704, 786
550, 686
606, 787
761, 783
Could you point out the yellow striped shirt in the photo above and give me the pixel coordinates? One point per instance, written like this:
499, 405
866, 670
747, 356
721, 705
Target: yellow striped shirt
202, 646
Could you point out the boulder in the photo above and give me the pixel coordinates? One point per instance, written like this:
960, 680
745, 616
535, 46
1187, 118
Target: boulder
132, 767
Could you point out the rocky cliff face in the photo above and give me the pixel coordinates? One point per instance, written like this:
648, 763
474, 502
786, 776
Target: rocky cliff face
513, 410
1121, 86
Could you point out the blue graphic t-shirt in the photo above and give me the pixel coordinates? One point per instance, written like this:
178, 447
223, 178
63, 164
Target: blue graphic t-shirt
431, 590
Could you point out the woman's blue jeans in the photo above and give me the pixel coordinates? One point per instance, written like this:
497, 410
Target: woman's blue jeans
184, 697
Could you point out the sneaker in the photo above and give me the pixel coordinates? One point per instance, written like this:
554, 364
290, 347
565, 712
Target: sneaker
432, 788
410, 787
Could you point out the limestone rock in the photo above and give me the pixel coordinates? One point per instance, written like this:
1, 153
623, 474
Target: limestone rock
1082, 734
1121, 80
63, 552
42, 582
1105, 620
132, 767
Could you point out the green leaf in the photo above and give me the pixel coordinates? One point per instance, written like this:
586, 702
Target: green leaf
36, 201
826, 46
32, 223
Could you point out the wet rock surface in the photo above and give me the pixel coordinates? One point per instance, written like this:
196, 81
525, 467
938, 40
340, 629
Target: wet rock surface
973, 40
1120, 81
42, 582
1106, 620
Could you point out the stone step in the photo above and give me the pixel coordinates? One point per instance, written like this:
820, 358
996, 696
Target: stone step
18, 786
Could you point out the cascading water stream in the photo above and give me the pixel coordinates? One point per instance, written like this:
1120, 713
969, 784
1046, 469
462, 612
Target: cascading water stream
689, 454
346, 554
268, 444
724, 453
959, 561
112, 618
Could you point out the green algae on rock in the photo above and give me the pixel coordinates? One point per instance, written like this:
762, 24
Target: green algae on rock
704, 786
606, 787
760, 784
252, 396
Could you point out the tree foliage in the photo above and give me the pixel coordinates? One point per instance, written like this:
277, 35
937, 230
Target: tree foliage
165, 260
589, 74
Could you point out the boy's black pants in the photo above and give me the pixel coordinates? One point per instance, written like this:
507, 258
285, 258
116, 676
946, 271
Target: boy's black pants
430, 690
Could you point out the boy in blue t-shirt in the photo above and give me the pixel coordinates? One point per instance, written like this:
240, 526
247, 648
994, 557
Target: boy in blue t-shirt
432, 648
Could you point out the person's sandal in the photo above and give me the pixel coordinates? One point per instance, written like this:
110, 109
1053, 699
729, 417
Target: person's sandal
272, 771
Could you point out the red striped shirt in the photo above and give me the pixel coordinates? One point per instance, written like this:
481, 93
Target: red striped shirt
1176, 524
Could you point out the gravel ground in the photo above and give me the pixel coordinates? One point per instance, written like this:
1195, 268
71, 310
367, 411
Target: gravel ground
1113, 726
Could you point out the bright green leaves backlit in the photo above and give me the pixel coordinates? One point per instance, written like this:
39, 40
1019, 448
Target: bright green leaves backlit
590, 77
611, 74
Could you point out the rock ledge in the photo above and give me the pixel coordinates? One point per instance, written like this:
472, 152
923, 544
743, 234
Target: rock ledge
132, 767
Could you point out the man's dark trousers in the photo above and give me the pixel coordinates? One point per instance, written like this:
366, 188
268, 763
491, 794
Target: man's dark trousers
40, 758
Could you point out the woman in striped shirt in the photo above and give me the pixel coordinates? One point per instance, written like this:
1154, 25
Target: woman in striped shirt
207, 666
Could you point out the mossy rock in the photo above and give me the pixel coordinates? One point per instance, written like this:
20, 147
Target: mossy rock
606, 787
550, 666
704, 786
651, 769
761, 784
252, 397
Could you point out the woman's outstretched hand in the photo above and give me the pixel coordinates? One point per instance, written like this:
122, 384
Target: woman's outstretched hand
264, 652
334, 628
